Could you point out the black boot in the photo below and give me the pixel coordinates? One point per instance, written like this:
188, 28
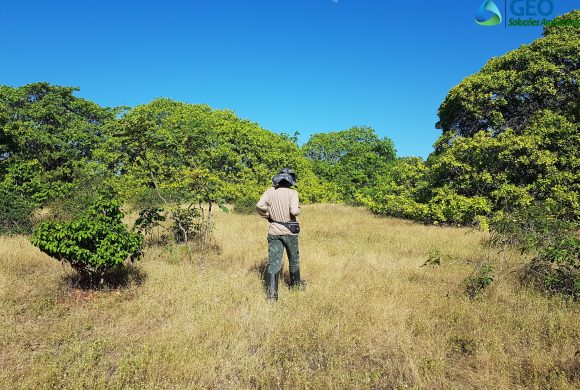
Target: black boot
272, 286
295, 281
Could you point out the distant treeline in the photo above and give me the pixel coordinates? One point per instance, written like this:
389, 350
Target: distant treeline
510, 139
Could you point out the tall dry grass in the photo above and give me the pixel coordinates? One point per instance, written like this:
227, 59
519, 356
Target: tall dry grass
371, 317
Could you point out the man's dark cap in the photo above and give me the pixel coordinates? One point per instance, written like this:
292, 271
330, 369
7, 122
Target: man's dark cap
285, 174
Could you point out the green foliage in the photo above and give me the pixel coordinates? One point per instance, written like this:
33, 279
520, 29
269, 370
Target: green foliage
174, 146
479, 281
93, 244
510, 89
246, 205
564, 24
514, 169
187, 223
401, 206
448, 206
435, 257
557, 267
15, 213
510, 138
47, 138
148, 219
25, 179
510, 131
399, 191
529, 228
404, 192
72, 204
353, 159
46, 135
173, 153
537, 229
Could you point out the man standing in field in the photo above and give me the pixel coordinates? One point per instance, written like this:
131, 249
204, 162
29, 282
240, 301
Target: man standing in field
279, 205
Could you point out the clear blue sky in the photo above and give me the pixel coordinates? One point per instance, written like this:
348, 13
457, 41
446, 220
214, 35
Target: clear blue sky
290, 65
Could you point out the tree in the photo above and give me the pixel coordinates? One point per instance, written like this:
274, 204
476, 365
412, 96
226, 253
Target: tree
171, 154
47, 136
509, 90
510, 132
510, 138
353, 159
160, 149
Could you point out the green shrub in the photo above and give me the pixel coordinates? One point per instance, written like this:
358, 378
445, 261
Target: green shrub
94, 244
448, 206
148, 219
82, 192
529, 228
557, 267
187, 224
245, 205
537, 229
400, 206
435, 257
15, 213
479, 281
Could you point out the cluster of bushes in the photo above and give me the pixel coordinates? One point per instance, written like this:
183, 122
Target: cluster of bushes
510, 147
395, 196
54, 144
554, 244
172, 162
510, 139
15, 212
557, 268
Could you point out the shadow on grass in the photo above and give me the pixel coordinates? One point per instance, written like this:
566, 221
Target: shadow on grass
260, 267
123, 277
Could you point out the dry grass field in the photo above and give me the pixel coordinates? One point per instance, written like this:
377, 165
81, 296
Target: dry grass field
372, 316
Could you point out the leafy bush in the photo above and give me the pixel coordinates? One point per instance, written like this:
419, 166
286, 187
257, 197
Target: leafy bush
397, 206
48, 136
352, 159
188, 223
557, 267
185, 224
479, 281
435, 257
448, 206
537, 229
15, 213
93, 244
148, 219
530, 229
504, 144
245, 205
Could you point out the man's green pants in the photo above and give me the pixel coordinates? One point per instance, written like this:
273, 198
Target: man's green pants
276, 246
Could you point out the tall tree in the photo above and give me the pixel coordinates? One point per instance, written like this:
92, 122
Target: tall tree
509, 90
47, 136
510, 138
353, 159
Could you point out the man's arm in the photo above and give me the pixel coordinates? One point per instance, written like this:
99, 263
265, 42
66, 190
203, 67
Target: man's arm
263, 205
294, 204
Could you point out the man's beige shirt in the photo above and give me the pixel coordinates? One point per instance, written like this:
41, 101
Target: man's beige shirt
280, 204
